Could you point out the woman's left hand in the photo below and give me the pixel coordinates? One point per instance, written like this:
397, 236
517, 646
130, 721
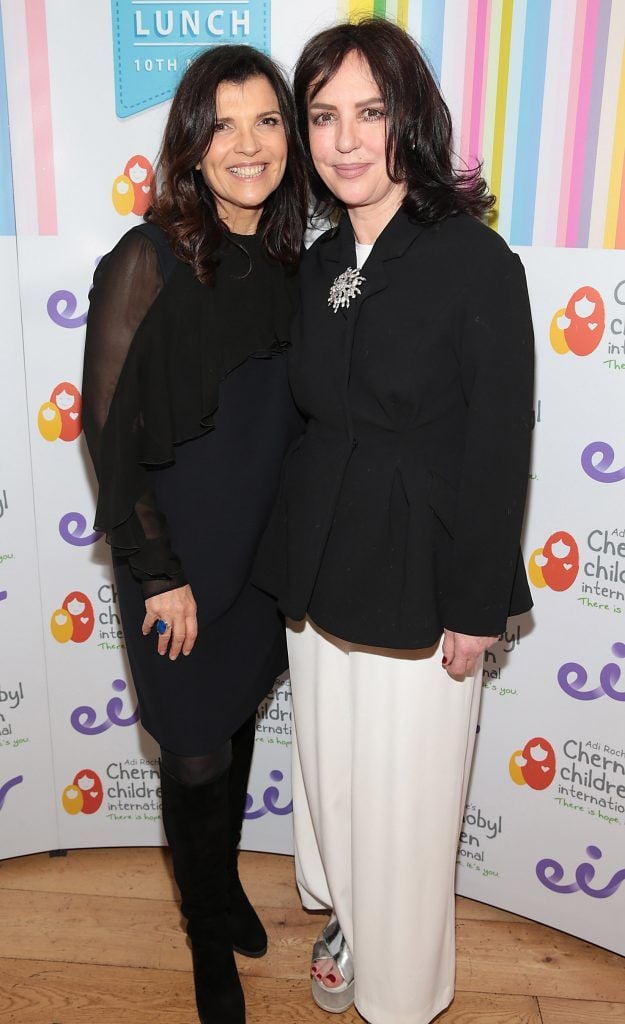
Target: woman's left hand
177, 608
461, 652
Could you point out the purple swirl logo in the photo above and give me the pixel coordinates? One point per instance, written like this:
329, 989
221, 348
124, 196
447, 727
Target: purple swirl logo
572, 678
550, 873
6, 787
270, 796
61, 308
84, 718
597, 458
72, 528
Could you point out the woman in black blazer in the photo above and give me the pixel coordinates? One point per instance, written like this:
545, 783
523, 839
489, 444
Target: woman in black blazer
394, 545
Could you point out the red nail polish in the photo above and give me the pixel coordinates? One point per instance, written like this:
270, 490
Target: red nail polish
445, 662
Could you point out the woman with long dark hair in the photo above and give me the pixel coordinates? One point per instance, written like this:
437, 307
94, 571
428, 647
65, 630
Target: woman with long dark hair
187, 413
412, 365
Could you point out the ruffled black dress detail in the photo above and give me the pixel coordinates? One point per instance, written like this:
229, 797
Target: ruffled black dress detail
187, 413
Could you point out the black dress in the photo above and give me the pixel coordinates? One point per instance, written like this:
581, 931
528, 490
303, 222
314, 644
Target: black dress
187, 412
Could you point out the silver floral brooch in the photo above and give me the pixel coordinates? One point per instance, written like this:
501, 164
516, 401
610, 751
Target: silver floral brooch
344, 288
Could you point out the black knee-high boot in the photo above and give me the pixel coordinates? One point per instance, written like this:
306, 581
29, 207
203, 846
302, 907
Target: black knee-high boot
197, 825
248, 935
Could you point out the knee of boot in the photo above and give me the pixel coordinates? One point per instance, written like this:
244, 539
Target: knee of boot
197, 771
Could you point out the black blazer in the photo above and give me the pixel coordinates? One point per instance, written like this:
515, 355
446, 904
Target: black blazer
401, 505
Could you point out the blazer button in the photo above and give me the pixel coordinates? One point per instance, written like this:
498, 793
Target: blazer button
354, 443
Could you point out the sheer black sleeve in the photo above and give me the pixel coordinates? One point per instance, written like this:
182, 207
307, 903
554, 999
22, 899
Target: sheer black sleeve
126, 284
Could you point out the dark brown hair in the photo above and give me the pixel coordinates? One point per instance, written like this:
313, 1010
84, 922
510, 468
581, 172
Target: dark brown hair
418, 123
183, 205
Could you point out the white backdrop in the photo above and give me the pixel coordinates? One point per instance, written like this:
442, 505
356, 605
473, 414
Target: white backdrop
543, 830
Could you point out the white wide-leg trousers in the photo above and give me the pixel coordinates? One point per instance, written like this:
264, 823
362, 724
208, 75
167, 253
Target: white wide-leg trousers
383, 742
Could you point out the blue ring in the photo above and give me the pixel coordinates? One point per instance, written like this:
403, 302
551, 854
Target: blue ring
161, 626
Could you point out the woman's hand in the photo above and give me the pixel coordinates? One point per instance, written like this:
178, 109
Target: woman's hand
460, 652
178, 609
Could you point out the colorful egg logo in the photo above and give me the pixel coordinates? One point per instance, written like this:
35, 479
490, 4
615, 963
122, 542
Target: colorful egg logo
123, 195
515, 767
61, 625
84, 795
90, 788
556, 564
49, 422
579, 327
68, 401
535, 765
562, 565
82, 615
540, 767
557, 337
61, 417
74, 620
140, 172
535, 568
72, 800
586, 311
132, 190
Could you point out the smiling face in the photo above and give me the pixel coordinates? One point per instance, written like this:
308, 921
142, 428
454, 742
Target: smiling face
246, 159
347, 135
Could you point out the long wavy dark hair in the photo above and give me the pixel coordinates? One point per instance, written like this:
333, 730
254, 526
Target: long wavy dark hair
418, 122
183, 205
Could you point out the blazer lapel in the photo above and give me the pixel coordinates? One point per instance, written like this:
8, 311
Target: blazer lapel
339, 252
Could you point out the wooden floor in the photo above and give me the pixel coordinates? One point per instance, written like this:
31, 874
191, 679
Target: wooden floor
95, 938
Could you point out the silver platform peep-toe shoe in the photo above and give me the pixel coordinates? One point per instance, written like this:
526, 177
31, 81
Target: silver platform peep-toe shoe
331, 945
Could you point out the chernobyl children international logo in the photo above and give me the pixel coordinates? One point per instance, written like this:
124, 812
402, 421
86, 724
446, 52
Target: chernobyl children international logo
556, 564
579, 326
74, 620
131, 189
535, 765
84, 795
154, 42
60, 418
596, 561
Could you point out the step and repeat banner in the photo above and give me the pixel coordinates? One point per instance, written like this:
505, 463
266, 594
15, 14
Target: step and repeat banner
537, 90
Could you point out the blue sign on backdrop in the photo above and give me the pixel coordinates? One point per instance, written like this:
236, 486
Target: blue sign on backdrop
154, 42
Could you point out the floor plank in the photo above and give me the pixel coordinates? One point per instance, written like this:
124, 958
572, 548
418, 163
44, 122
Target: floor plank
570, 1011
34, 992
530, 959
497, 957
485, 1008
41, 992
136, 933
471, 910
146, 873
99, 941
141, 872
